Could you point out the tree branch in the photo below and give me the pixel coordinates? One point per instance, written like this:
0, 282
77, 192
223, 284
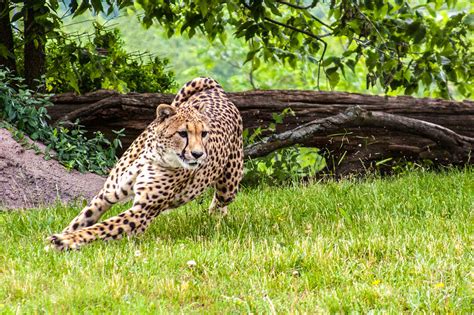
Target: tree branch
309, 6
310, 35
318, 38
459, 144
293, 28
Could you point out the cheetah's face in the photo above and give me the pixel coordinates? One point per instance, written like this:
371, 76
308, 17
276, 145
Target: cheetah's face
182, 135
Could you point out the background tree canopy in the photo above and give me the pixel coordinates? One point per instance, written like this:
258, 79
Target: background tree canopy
404, 46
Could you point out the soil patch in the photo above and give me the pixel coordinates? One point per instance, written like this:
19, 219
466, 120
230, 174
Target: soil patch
28, 180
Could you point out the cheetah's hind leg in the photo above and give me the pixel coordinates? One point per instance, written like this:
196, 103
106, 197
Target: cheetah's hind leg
227, 185
216, 207
226, 189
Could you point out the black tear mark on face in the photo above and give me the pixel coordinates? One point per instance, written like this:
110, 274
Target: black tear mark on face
184, 149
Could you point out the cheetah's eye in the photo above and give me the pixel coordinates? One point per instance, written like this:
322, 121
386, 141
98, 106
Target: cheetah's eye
204, 134
183, 134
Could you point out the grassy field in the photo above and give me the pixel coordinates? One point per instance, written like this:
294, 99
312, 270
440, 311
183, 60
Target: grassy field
402, 244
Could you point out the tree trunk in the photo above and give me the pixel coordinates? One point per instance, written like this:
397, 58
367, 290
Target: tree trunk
380, 129
34, 51
7, 55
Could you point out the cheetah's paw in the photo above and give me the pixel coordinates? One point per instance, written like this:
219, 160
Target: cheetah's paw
62, 242
218, 211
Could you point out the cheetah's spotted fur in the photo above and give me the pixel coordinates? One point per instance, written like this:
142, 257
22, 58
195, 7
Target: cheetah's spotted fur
194, 143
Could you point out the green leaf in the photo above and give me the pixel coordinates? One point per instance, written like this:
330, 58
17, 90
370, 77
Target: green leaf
469, 20
17, 16
277, 118
420, 35
333, 76
97, 5
255, 63
407, 75
82, 8
348, 53
351, 64
444, 60
203, 7
270, 4
251, 54
372, 60
330, 60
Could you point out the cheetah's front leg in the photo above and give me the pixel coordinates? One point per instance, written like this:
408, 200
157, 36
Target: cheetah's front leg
130, 222
116, 188
146, 206
92, 212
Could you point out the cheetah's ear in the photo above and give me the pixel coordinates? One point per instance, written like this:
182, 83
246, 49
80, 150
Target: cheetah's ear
164, 111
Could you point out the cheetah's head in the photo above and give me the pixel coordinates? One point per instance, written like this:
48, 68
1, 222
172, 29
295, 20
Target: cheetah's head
182, 134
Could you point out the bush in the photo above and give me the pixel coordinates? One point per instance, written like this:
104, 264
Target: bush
282, 166
286, 165
28, 114
99, 61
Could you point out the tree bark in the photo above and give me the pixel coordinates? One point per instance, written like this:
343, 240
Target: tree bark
7, 58
383, 128
34, 50
458, 148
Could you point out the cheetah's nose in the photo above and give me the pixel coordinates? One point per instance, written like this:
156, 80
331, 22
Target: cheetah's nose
197, 154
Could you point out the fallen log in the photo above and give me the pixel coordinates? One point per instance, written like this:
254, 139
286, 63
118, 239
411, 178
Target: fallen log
379, 129
455, 149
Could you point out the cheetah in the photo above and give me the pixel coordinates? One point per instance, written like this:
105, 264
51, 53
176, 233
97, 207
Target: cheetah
194, 143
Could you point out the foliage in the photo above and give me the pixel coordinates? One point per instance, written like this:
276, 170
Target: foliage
250, 138
197, 56
402, 44
399, 245
71, 147
31, 23
102, 62
399, 46
284, 165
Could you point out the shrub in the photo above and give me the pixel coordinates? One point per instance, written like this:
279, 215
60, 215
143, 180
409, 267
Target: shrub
28, 114
99, 61
284, 165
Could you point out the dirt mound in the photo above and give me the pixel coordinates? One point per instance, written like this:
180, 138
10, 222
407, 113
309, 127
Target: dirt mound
28, 180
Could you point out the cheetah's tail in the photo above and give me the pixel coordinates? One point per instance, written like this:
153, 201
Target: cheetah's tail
195, 86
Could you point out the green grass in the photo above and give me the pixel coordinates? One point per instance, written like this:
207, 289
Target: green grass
400, 244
